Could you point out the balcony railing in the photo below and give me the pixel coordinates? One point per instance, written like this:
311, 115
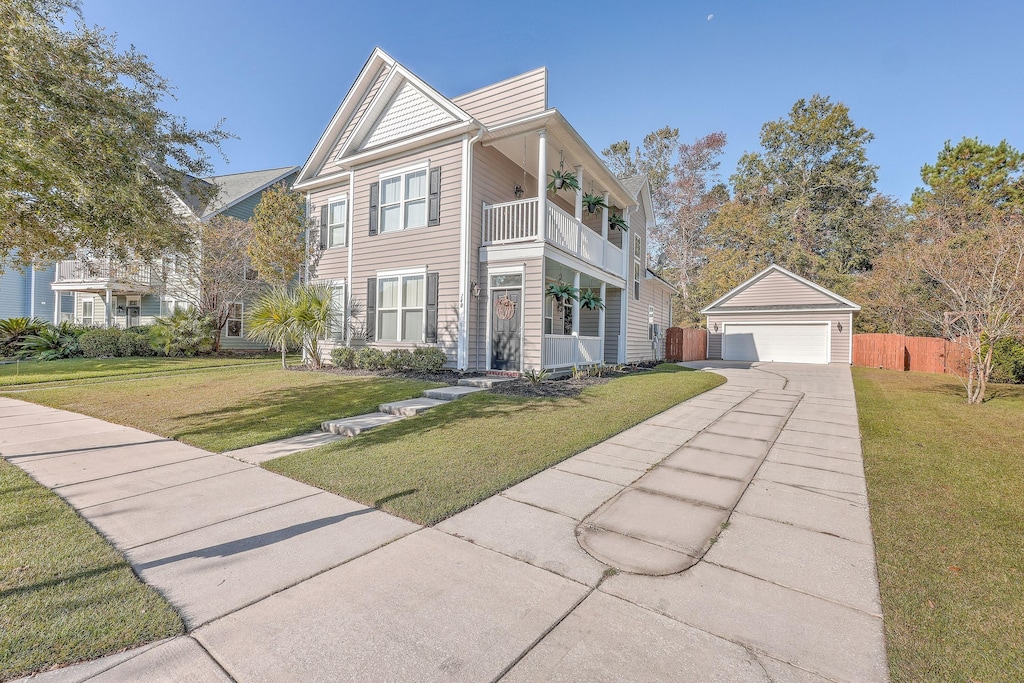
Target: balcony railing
513, 222
566, 351
104, 272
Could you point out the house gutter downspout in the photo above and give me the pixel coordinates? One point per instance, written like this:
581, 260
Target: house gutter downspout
465, 246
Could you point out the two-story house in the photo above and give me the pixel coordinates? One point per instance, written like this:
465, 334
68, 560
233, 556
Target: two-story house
435, 215
94, 291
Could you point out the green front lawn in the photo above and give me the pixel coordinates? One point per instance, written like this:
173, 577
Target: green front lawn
431, 466
65, 594
34, 371
227, 408
946, 487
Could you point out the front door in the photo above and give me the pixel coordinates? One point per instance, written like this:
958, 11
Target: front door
134, 308
506, 319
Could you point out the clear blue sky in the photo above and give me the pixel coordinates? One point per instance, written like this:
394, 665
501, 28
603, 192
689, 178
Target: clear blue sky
915, 73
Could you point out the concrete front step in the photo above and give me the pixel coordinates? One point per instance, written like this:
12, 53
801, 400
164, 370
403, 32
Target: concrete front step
451, 393
413, 406
482, 382
351, 426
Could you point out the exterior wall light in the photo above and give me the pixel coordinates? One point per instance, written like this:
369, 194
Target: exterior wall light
839, 326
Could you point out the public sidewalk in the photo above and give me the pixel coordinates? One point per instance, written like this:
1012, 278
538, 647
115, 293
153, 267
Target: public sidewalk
757, 487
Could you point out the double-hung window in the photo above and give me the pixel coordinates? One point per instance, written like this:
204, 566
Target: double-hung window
87, 312
638, 247
401, 308
403, 201
234, 324
337, 222
338, 320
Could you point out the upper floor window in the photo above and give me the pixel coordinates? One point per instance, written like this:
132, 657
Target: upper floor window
337, 222
403, 201
638, 247
636, 278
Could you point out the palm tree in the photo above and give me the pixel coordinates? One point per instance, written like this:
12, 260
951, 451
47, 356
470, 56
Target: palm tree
271, 321
314, 317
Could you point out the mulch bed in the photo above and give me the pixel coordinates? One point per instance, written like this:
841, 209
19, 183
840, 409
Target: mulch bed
566, 386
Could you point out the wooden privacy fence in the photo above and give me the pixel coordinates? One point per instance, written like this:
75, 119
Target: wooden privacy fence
686, 343
916, 354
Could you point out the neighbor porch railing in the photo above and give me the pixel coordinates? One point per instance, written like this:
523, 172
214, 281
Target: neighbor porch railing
96, 271
566, 351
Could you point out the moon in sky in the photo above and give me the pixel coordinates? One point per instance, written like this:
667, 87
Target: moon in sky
710, 17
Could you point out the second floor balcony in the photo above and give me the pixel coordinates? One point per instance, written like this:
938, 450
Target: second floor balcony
100, 274
518, 222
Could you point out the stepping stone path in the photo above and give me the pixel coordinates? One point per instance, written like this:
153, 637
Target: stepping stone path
667, 519
399, 410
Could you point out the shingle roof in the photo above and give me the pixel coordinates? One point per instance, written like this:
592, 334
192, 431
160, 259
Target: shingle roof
634, 184
237, 186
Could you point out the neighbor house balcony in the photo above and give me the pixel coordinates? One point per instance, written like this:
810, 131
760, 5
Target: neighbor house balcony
101, 274
518, 222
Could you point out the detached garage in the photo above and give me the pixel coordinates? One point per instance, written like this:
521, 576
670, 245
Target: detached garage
779, 316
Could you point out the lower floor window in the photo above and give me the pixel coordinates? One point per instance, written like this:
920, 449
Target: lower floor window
558, 318
338, 322
87, 312
401, 304
234, 324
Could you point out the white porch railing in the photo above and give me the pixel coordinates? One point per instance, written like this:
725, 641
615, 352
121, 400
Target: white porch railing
566, 351
510, 221
101, 271
516, 221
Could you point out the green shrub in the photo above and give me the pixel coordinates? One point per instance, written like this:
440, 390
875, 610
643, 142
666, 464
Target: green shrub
135, 342
101, 343
186, 332
428, 359
344, 357
53, 342
13, 331
1008, 361
398, 359
370, 358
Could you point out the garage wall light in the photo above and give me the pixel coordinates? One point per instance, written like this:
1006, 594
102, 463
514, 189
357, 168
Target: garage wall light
716, 327
839, 326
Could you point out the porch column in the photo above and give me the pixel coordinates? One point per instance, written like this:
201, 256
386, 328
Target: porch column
604, 218
600, 318
579, 194
576, 320
542, 181
108, 307
56, 307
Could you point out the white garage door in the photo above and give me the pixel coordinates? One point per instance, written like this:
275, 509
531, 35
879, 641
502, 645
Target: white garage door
778, 342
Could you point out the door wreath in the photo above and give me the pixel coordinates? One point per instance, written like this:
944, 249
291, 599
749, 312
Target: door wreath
504, 308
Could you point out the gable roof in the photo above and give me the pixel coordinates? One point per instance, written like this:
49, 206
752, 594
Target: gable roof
235, 187
634, 184
833, 300
389, 111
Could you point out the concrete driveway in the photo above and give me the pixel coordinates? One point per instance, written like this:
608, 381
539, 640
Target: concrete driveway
726, 539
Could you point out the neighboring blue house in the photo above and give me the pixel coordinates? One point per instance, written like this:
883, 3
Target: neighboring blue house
28, 294
109, 295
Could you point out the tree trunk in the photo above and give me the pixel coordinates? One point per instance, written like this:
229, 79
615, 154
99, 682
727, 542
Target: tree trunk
216, 340
284, 350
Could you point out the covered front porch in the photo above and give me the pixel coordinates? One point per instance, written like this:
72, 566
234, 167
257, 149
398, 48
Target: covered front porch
581, 331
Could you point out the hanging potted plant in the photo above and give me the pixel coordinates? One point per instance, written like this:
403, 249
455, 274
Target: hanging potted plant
561, 292
563, 180
619, 222
588, 299
593, 202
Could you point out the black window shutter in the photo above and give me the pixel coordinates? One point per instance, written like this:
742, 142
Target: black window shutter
324, 217
430, 333
371, 307
434, 202
374, 202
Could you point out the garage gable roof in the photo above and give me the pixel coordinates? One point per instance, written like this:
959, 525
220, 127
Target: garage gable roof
776, 288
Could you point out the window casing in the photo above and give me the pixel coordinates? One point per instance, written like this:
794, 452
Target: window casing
87, 312
233, 327
401, 308
337, 222
403, 201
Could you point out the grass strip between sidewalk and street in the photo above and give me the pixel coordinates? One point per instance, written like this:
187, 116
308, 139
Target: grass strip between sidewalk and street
229, 408
66, 595
429, 467
946, 489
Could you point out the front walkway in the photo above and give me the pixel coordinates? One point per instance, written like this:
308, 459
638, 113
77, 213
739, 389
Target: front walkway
281, 581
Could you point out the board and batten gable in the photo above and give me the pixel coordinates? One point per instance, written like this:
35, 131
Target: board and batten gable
778, 296
508, 100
